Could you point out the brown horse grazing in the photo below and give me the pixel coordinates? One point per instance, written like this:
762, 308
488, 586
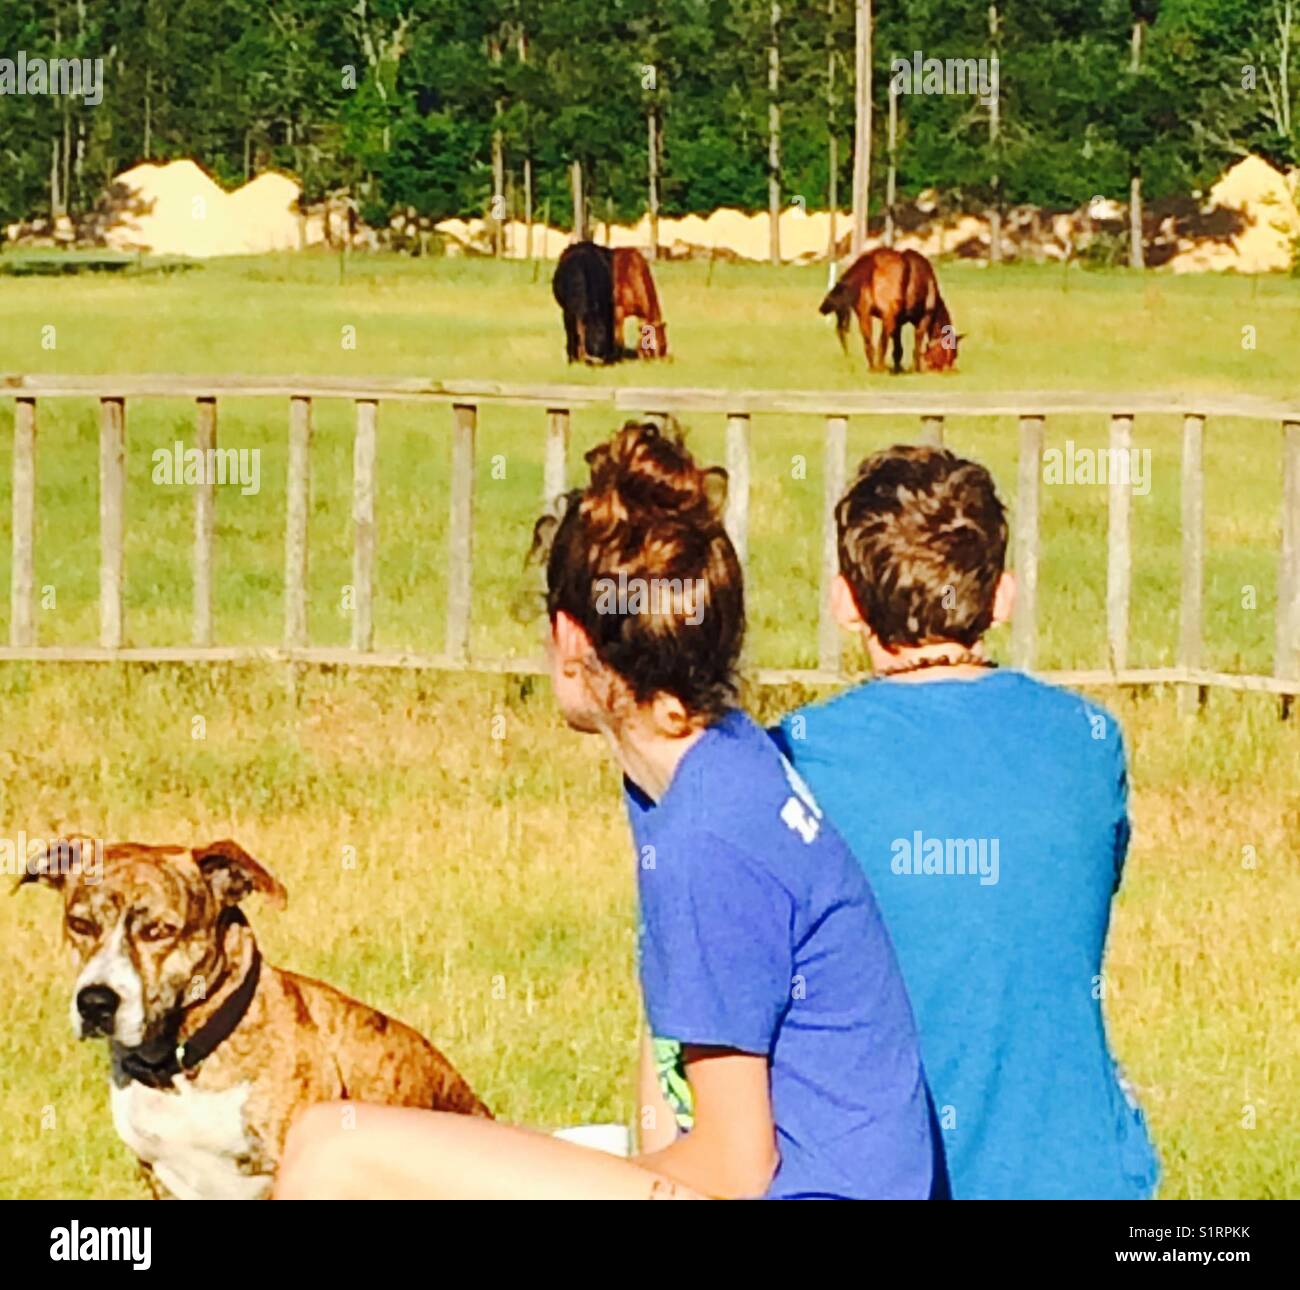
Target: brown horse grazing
635, 297
898, 287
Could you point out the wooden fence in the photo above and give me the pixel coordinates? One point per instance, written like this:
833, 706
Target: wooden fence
557, 402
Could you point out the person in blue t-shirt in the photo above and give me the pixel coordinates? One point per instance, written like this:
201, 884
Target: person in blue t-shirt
782, 1058
989, 812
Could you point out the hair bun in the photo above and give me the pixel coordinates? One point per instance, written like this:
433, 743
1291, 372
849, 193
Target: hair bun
646, 473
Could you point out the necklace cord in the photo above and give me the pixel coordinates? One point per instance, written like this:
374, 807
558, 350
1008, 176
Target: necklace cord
968, 658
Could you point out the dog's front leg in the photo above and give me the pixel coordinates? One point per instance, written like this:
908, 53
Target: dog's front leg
156, 1189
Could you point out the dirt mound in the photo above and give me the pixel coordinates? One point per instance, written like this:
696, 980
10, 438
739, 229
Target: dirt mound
1249, 224
179, 209
1268, 224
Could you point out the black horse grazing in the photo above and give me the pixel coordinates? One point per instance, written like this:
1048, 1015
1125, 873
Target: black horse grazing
583, 286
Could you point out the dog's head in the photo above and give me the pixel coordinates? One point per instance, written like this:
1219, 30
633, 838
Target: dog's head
145, 925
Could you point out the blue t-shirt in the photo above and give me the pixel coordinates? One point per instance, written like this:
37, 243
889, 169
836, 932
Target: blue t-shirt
759, 933
991, 819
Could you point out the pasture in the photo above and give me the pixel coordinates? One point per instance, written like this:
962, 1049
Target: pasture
452, 853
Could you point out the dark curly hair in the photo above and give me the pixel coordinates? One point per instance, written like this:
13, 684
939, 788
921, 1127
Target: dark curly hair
650, 518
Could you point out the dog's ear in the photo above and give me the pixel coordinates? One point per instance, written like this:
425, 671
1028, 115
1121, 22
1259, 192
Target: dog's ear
54, 861
232, 873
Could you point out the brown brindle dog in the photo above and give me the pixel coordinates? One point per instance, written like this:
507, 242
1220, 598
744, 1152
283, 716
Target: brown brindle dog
635, 297
214, 1051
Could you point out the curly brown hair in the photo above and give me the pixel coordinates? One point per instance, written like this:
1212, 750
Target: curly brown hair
651, 517
922, 544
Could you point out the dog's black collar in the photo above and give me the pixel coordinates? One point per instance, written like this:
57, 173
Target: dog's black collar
180, 1057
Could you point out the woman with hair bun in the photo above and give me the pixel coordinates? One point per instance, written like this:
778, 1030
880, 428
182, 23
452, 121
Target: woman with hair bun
781, 1059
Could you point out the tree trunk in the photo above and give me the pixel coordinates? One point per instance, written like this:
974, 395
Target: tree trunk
995, 123
579, 208
862, 127
528, 202
1136, 252
498, 192
774, 137
832, 143
528, 159
67, 156
652, 157
498, 164
79, 160
891, 176
56, 201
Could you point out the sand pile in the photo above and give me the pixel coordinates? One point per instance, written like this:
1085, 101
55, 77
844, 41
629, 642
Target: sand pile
1252, 201
178, 209
804, 235
1250, 224
730, 234
1263, 199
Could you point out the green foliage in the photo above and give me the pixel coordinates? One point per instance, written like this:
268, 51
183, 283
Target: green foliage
399, 101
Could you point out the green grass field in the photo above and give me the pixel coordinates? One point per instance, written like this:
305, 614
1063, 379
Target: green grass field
491, 899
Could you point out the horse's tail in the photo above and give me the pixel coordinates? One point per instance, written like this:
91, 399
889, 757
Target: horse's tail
840, 301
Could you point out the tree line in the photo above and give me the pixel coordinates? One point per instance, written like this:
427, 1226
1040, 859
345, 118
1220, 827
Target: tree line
516, 107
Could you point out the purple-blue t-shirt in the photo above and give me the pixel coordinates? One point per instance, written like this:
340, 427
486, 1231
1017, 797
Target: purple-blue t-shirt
759, 933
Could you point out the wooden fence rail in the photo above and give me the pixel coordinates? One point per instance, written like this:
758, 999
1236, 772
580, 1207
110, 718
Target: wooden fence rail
557, 402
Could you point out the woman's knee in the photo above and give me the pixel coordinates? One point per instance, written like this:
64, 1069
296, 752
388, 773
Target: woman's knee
313, 1151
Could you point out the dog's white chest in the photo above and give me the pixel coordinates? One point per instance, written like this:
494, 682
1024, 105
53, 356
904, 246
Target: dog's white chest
194, 1139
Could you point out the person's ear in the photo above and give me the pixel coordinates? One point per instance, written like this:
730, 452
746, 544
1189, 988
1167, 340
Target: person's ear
844, 609
570, 638
1004, 599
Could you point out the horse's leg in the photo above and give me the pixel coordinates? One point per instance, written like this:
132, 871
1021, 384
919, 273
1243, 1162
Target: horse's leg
572, 340
921, 337
864, 325
888, 334
868, 342
620, 318
898, 346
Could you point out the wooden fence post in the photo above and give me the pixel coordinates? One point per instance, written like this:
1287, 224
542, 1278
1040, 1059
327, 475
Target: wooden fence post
460, 561
828, 632
1286, 658
297, 511
1024, 622
932, 431
555, 469
738, 460
364, 449
205, 440
22, 578
1190, 603
1119, 553
112, 500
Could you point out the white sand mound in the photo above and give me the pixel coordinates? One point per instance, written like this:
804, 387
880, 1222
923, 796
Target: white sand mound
265, 210
178, 209
804, 235
1263, 197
